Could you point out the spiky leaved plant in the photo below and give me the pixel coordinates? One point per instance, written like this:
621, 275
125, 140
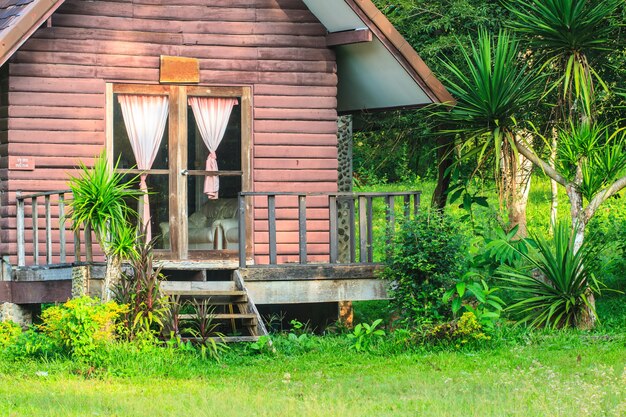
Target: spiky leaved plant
494, 90
555, 291
100, 196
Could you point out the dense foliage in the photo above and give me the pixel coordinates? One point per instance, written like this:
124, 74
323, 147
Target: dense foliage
425, 258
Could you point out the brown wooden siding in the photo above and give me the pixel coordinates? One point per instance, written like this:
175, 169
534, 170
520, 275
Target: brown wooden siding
54, 108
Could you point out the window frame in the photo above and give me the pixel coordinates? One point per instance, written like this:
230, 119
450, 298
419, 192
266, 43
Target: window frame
177, 148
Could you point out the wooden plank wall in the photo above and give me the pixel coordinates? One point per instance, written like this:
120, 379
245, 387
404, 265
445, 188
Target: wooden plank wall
4, 100
56, 97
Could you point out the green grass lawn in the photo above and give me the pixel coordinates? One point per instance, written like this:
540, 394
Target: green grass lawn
519, 372
553, 375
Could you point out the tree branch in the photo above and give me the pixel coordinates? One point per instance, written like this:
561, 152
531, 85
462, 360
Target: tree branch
604, 195
550, 172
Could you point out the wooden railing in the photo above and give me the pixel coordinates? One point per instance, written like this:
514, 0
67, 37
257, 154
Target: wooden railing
359, 209
54, 226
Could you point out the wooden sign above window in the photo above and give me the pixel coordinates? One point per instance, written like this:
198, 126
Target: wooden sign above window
176, 69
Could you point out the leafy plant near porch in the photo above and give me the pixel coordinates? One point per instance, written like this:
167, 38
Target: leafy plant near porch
140, 291
364, 336
554, 292
100, 196
424, 259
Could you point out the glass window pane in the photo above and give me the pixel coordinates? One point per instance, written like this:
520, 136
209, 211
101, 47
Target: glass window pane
229, 151
213, 224
121, 144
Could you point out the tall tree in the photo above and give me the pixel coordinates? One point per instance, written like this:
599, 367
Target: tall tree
494, 89
568, 40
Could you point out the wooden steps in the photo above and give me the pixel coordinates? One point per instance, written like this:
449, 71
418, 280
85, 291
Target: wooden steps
226, 303
224, 316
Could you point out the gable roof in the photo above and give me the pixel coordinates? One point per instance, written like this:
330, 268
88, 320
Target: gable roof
19, 19
381, 74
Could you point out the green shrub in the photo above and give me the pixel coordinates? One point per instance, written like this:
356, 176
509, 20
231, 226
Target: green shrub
140, 290
465, 330
9, 333
81, 325
424, 259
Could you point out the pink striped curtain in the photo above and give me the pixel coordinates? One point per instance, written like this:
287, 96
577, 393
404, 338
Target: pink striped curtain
212, 114
145, 118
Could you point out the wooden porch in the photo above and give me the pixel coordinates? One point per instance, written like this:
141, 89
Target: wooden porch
292, 247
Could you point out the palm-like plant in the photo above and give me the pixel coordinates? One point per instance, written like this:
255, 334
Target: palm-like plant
565, 37
555, 291
494, 89
100, 196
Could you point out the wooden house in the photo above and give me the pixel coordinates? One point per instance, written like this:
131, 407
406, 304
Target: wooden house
228, 109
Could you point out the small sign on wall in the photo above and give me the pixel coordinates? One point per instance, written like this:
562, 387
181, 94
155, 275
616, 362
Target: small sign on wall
175, 69
22, 163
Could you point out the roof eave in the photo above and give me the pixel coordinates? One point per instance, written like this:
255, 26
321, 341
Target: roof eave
378, 23
25, 26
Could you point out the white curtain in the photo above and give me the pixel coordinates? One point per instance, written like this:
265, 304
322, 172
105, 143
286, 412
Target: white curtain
145, 118
212, 114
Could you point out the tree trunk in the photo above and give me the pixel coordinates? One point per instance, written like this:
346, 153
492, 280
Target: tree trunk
445, 159
519, 195
112, 277
554, 186
579, 223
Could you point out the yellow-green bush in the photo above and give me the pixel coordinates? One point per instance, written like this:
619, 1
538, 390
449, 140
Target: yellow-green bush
464, 330
9, 332
81, 325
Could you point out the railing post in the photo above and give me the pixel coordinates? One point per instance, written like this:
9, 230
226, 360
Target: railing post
62, 253
391, 217
48, 230
362, 229
416, 203
21, 241
333, 230
302, 228
242, 231
77, 255
35, 218
88, 244
352, 220
370, 231
407, 206
271, 227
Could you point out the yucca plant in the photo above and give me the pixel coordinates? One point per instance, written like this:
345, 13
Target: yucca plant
566, 37
100, 196
565, 40
494, 89
555, 291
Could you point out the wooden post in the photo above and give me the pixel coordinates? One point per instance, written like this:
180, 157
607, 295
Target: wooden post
242, 231
88, 244
416, 203
370, 231
333, 216
271, 226
302, 228
407, 206
391, 217
362, 230
35, 218
48, 230
21, 243
77, 255
352, 219
62, 252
